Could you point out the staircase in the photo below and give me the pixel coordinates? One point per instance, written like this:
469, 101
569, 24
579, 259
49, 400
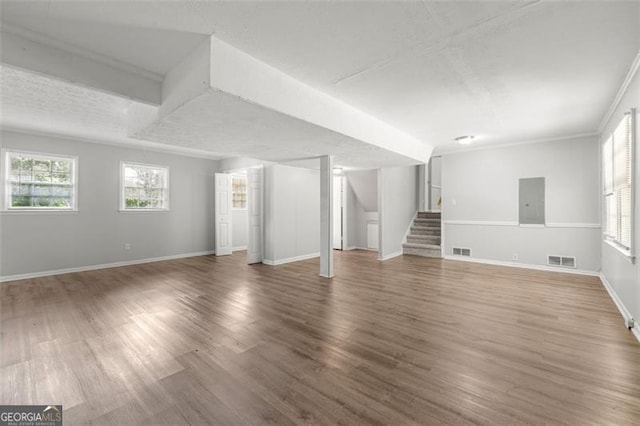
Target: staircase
424, 237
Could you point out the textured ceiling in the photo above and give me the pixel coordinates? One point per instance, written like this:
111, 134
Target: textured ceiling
222, 122
214, 123
46, 105
49, 104
150, 49
505, 71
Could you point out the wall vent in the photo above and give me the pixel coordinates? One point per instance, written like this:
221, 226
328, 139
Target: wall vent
458, 251
562, 261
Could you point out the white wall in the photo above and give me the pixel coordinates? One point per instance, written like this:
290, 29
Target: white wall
364, 184
362, 205
35, 242
397, 205
239, 228
292, 213
621, 273
480, 202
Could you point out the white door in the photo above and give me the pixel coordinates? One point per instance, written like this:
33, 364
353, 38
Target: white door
337, 212
254, 209
223, 214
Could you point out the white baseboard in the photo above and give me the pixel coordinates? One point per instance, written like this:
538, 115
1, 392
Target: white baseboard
390, 256
101, 266
239, 248
523, 265
290, 259
626, 315
363, 248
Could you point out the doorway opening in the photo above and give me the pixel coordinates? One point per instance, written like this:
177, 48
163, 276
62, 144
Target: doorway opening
239, 213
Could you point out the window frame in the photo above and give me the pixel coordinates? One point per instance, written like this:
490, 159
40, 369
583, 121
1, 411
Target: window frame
610, 194
6, 155
122, 204
246, 192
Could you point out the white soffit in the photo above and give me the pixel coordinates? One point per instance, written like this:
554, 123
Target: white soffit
44, 105
218, 121
222, 99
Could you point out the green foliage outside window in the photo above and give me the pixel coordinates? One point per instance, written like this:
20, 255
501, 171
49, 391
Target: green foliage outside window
39, 182
145, 187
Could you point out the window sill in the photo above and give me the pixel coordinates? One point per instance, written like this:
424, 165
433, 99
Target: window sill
141, 210
626, 253
38, 211
532, 225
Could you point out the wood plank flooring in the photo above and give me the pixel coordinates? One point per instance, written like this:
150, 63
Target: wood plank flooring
412, 340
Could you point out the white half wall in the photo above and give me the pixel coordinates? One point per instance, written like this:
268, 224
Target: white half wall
292, 213
397, 206
480, 202
36, 242
623, 275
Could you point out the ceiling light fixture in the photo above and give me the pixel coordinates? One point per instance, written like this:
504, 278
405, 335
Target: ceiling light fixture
464, 140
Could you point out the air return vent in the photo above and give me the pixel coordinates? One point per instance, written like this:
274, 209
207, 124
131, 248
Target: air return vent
458, 251
561, 261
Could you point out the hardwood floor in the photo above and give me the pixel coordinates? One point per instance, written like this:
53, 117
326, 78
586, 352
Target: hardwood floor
407, 341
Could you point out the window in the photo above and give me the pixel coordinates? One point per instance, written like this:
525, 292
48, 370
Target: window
36, 181
617, 171
239, 191
144, 187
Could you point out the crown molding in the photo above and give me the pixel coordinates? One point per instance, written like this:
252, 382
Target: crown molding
635, 65
461, 150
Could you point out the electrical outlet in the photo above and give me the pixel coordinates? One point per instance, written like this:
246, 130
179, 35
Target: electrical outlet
514, 256
127, 246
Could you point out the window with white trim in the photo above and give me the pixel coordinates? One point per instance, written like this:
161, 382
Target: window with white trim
239, 191
618, 172
38, 181
144, 187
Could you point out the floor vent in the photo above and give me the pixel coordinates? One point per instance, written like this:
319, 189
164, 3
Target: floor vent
457, 251
562, 261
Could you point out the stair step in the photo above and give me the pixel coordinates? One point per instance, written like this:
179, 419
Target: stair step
421, 246
424, 239
429, 215
423, 230
430, 221
424, 250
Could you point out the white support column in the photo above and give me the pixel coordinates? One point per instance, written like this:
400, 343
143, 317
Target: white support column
326, 216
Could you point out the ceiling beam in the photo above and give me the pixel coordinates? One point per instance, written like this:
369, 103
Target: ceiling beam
31, 51
216, 66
